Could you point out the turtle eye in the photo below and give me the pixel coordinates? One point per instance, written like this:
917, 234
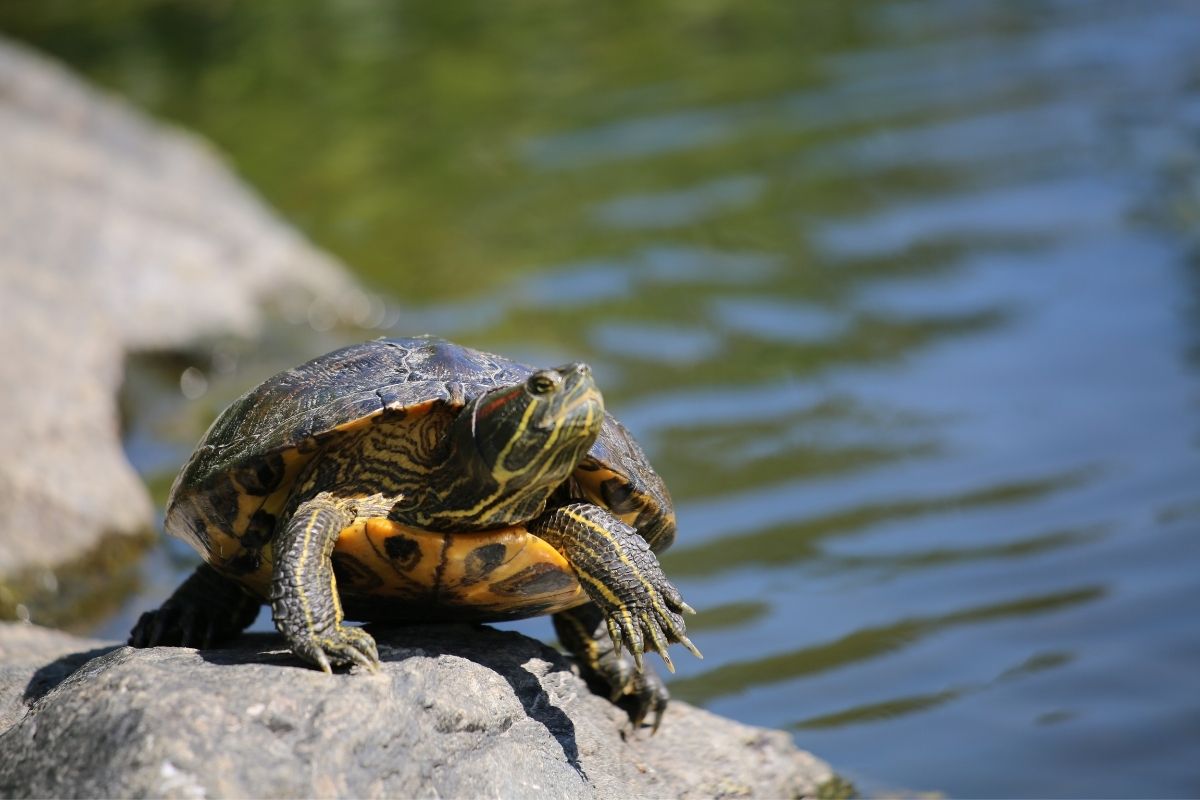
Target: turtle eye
544, 382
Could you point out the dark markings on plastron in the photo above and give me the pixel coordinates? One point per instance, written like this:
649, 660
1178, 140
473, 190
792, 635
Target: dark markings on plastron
534, 580
245, 562
535, 610
440, 570
259, 530
223, 499
499, 612
402, 551
353, 574
481, 561
263, 476
618, 496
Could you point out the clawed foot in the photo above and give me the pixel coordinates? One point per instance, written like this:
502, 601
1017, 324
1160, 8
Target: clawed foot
621, 575
651, 618
338, 647
638, 691
643, 694
205, 610
176, 627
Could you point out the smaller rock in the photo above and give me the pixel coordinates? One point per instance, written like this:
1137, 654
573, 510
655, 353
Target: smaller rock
457, 711
118, 235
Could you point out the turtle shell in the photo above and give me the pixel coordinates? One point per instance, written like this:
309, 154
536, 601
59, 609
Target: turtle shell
227, 499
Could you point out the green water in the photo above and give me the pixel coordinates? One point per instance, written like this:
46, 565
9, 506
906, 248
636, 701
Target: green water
902, 299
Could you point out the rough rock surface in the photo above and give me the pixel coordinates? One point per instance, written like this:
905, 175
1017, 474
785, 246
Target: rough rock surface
457, 711
116, 234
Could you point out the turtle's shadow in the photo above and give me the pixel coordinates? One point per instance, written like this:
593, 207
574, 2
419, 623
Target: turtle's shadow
503, 652
48, 677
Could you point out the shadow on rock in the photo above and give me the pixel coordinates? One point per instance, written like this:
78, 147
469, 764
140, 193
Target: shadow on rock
46, 678
504, 653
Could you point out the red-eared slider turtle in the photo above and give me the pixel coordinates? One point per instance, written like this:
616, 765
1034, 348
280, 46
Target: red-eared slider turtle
414, 480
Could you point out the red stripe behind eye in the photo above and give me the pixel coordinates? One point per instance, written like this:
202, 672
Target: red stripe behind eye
496, 403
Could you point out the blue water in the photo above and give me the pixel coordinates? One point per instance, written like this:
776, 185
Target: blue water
902, 300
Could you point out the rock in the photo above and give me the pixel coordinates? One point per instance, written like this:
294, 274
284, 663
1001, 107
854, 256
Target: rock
457, 711
117, 234
65, 485
147, 222
33, 660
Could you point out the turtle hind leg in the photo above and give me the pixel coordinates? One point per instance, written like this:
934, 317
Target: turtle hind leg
609, 672
304, 598
206, 609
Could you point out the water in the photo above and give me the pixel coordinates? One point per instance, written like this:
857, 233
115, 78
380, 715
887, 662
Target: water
902, 300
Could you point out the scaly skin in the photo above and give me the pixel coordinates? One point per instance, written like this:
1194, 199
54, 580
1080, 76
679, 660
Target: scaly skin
206, 609
621, 574
584, 632
304, 598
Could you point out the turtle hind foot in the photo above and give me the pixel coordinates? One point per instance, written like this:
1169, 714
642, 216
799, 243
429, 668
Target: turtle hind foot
206, 609
644, 695
634, 688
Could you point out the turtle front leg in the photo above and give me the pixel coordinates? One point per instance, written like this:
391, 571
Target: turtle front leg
621, 575
304, 598
584, 632
206, 608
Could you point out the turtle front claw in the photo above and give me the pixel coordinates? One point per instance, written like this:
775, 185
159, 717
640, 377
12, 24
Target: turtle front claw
622, 576
341, 646
650, 618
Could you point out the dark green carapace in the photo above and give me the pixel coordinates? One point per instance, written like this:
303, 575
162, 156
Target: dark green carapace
417, 480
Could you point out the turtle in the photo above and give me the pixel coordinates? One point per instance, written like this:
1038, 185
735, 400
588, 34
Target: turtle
408, 480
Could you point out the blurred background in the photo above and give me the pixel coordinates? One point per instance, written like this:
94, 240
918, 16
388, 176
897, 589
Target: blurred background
901, 298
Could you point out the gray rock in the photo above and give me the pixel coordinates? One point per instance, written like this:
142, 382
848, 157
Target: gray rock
457, 711
117, 234
144, 221
32, 661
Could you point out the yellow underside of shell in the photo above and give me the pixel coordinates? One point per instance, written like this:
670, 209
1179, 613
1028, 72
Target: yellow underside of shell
501, 572
389, 571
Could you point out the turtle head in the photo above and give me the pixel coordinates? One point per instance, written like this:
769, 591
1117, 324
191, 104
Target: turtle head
534, 433
513, 446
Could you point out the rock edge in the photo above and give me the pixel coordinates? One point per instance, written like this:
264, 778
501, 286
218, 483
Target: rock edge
457, 711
